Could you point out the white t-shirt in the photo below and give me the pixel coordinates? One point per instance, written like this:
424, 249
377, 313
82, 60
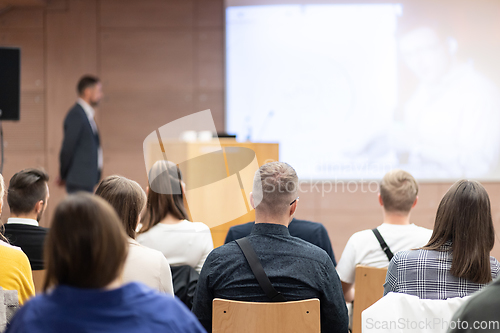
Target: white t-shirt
147, 266
183, 243
364, 249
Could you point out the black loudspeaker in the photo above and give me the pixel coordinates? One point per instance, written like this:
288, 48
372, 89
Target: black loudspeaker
10, 83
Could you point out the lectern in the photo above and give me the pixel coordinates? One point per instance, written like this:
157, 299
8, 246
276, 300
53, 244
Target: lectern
218, 176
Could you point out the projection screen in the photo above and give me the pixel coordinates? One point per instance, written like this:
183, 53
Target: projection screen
351, 90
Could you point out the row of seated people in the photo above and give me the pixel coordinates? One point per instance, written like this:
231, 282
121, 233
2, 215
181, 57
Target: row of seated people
298, 269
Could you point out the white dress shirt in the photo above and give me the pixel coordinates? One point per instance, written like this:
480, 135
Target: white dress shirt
90, 112
20, 220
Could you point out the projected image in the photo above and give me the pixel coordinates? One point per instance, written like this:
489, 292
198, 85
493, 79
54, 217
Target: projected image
351, 91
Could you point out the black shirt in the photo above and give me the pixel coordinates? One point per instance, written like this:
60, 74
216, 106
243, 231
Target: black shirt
297, 269
30, 239
312, 232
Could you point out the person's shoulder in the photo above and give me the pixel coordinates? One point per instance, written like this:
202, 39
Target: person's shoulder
361, 236
307, 226
495, 266
11, 251
311, 251
148, 301
75, 112
242, 227
197, 226
420, 229
145, 251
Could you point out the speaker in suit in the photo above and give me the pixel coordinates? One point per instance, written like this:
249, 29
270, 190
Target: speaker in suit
81, 154
312, 232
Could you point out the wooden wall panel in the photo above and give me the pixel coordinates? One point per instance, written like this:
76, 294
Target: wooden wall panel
210, 60
146, 13
128, 117
138, 60
209, 13
32, 55
17, 18
27, 135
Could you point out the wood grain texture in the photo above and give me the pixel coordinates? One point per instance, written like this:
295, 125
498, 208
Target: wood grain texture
369, 289
248, 317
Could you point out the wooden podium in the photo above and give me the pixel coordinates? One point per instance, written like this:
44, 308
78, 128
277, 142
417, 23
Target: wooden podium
222, 171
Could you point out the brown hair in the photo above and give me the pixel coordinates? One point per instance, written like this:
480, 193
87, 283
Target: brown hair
464, 218
398, 191
85, 82
165, 195
126, 197
86, 246
275, 186
26, 188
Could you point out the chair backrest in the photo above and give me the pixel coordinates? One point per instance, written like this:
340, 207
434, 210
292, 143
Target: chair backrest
252, 317
369, 288
398, 312
38, 279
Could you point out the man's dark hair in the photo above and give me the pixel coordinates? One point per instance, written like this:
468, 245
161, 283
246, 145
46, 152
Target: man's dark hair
26, 188
86, 82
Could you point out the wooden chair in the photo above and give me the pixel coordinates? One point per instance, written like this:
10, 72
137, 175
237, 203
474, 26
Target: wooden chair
369, 288
38, 279
253, 317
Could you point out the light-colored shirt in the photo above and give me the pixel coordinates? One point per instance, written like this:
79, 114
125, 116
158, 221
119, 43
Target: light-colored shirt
90, 112
183, 243
147, 266
15, 272
364, 249
20, 220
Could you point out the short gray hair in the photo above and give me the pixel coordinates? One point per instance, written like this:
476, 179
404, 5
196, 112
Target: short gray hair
275, 186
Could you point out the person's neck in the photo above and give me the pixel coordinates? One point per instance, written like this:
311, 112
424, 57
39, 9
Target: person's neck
86, 101
115, 284
31, 216
396, 218
170, 219
284, 220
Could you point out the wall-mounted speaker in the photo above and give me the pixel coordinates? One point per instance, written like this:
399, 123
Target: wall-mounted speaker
10, 83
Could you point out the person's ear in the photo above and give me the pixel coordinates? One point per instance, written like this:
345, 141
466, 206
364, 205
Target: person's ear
380, 200
147, 190
252, 202
39, 206
293, 207
414, 202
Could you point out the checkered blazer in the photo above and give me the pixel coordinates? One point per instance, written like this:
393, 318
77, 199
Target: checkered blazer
426, 274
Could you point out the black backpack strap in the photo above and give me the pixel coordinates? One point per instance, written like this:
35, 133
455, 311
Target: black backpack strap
258, 271
383, 244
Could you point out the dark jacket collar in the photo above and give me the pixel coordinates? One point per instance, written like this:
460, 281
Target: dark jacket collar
269, 228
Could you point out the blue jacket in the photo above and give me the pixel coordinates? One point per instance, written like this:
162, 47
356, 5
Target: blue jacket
129, 309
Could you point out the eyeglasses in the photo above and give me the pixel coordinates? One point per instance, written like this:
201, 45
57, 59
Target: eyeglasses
291, 203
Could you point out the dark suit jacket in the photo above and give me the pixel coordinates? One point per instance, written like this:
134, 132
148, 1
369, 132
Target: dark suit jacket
79, 152
30, 239
312, 232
